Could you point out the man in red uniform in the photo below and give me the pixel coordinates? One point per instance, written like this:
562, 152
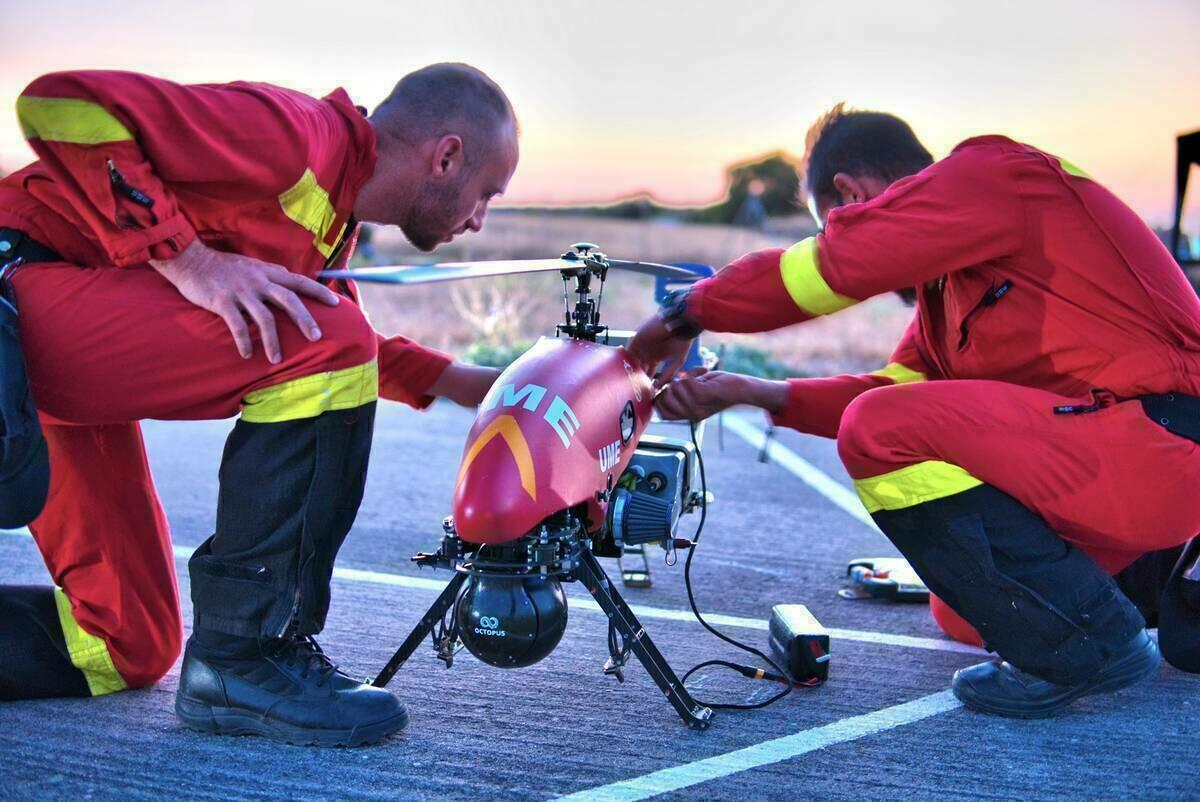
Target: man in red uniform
1034, 430
165, 247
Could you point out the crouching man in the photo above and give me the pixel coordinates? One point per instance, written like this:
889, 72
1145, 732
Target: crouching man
1035, 431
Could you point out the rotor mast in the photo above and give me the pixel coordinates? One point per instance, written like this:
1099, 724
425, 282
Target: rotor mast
583, 322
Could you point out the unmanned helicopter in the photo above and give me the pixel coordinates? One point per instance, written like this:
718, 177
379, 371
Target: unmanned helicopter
557, 471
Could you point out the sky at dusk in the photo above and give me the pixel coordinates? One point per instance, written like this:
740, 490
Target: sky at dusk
618, 97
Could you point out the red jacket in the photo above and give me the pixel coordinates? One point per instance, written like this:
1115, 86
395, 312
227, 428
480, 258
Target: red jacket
132, 168
1027, 271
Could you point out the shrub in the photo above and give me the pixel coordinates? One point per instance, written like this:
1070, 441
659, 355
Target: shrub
492, 355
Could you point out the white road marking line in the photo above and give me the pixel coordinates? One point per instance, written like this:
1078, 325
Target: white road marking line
768, 752
841, 496
642, 611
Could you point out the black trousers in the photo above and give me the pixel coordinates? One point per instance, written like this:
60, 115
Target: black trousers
34, 661
1038, 601
289, 493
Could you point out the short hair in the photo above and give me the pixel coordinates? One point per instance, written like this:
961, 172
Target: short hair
860, 143
446, 98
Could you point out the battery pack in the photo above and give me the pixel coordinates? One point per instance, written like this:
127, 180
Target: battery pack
799, 642
890, 578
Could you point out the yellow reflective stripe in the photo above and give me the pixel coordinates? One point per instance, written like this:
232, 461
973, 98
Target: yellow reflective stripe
916, 484
801, 275
1071, 168
79, 122
88, 653
899, 374
507, 428
309, 396
307, 203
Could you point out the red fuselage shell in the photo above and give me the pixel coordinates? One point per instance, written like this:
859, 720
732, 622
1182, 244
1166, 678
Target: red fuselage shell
553, 432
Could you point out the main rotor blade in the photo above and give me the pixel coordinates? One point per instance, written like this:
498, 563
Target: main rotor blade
652, 269
449, 271
454, 271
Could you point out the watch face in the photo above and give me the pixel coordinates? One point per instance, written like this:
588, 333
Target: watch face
674, 315
628, 419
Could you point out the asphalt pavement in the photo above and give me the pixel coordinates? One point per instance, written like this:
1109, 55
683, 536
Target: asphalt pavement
884, 726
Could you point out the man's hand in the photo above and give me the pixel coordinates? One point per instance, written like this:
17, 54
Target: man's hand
705, 393
234, 287
652, 345
464, 384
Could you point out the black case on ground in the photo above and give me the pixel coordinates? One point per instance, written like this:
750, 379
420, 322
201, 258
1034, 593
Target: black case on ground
800, 642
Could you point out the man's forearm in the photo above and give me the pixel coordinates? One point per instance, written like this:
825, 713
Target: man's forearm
464, 384
765, 394
408, 371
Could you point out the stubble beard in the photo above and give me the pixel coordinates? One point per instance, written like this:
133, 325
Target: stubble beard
430, 218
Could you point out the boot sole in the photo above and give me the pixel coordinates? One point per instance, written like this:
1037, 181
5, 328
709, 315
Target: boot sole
1138, 670
208, 718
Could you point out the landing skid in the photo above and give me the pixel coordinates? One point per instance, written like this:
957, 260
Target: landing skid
634, 638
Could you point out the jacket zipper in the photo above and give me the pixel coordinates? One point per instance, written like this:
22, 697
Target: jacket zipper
989, 299
348, 231
127, 189
1101, 399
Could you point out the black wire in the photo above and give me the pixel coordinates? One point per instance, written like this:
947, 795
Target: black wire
687, 581
757, 673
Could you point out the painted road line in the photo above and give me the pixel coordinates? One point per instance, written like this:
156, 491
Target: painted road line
664, 614
768, 752
642, 611
840, 495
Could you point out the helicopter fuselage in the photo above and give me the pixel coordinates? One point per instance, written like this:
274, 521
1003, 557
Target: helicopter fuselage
556, 430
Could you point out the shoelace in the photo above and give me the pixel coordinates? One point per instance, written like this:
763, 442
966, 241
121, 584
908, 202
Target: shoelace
305, 650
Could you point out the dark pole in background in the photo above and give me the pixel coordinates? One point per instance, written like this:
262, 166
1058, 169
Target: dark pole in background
1187, 153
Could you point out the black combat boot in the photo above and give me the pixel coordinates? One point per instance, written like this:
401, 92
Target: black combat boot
286, 690
1003, 689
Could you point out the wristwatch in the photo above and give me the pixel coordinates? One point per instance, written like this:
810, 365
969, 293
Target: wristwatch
674, 315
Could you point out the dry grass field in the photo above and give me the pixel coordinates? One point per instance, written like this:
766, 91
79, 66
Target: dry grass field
507, 311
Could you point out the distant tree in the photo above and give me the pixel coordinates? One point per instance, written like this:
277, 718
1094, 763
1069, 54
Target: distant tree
773, 177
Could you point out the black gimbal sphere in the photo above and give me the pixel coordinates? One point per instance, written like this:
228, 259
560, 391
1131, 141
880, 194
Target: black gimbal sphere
512, 622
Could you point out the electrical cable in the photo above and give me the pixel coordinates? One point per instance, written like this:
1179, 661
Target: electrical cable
779, 675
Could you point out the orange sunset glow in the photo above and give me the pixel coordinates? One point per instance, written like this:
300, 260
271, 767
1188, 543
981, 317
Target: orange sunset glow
621, 97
